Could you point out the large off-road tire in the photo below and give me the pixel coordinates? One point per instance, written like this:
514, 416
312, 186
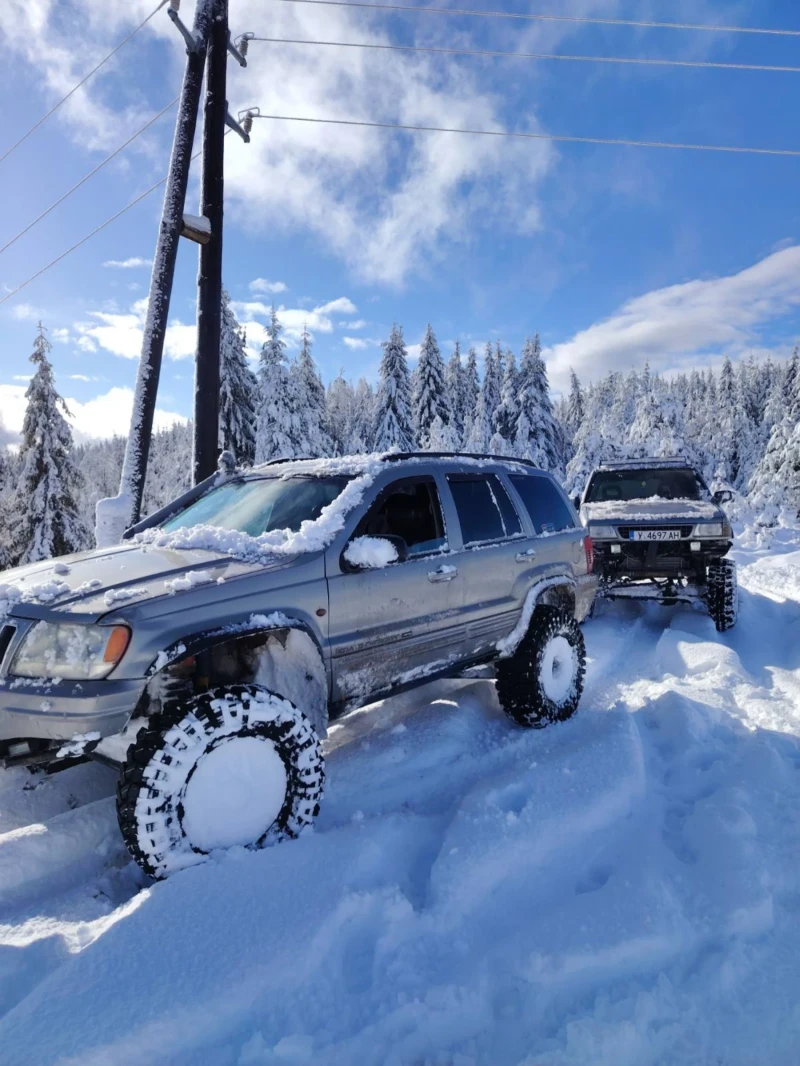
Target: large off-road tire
543, 680
234, 766
722, 593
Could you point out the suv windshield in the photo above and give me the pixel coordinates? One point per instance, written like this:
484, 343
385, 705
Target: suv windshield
670, 483
260, 505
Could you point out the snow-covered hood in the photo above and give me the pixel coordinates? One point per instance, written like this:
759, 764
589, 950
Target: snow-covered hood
654, 509
103, 580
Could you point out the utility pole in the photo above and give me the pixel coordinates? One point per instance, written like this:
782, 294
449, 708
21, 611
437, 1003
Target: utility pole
209, 279
116, 514
209, 33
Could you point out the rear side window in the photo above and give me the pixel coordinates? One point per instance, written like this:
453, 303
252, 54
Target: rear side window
544, 503
485, 511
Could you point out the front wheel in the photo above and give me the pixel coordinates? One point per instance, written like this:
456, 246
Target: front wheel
543, 680
722, 593
233, 766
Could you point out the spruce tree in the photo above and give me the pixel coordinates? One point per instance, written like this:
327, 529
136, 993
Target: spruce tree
238, 391
575, 406
393, 422
309, 398
507, 412
471, 388
492, 383
537, 436
454, 381
47, 522
430, 393
276, 422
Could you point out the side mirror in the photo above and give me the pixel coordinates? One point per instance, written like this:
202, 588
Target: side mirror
576, 502
374, 552
722, 496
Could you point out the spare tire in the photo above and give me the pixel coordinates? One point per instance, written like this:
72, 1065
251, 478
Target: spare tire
542, 681
237, 765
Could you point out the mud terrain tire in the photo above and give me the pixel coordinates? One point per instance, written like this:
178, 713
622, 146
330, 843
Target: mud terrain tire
722, 594
237, 765
543, 680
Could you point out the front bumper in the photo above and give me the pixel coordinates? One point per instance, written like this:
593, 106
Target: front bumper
39, 709
661, 559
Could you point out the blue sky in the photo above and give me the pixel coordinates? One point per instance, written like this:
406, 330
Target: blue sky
615, 255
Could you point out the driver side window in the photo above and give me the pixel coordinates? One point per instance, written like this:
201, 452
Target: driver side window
409, 509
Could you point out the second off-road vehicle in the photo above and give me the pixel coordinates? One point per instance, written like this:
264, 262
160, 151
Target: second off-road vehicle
204, 655
659, 533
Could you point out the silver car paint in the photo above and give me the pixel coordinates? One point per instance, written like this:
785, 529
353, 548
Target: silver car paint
374, 629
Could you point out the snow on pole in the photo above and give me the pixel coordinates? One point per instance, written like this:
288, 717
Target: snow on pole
115, 514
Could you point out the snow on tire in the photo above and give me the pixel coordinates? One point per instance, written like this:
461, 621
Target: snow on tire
722, 594
543, 680
233, 766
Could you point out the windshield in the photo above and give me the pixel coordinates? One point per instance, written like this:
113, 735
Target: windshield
669, 483
261, 505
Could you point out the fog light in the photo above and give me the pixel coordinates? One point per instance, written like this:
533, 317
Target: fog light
615, 549
695, 545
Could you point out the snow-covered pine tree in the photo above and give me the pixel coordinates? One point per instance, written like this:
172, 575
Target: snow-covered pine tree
490, 386
774, 489
430, 399
275, 424
507, 412
733, 444
537, 436
471, 391
363, 418
238, 390
339, 404
454, 382
575, 407
46, 519
309, 398
393, 422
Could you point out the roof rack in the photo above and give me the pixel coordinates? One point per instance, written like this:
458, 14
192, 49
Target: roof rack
637, 464
393, 457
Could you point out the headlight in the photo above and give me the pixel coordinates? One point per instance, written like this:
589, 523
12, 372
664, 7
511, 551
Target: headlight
712, 529
76, 653
602, 532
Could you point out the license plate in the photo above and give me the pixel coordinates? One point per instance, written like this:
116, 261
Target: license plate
655, 534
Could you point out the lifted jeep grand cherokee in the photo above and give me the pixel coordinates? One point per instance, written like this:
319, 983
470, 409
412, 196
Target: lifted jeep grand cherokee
658, 533
204, 655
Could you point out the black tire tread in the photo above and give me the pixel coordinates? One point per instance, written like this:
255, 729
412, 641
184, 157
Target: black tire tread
722, 594
305, 785
518, 689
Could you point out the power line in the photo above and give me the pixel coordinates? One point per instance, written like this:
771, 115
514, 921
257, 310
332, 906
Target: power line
83, 81
636, 60
551, 18
86, 177
538, 136
95, 231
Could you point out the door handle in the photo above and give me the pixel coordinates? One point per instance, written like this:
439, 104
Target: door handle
526, 556
444, 573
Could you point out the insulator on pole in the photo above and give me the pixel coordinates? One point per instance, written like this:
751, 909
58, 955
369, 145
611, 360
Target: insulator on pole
175, 5
247, 123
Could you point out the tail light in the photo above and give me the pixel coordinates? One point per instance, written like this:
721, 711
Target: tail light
588, 547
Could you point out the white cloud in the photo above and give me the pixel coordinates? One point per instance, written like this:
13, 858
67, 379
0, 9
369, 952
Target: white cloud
670, 327
83, 377
358, 323
262, 285
26, 313
60, 336
121, 334
413, 350
104, 416
22, 377
133, 263
252, 314
356, 343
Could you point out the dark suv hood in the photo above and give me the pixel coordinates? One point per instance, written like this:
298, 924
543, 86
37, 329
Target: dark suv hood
96, 582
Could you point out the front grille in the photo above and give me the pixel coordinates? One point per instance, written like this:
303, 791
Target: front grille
6, 636
625, 531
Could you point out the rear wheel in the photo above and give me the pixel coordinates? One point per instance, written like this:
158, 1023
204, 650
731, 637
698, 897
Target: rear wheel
722, 593
234, 766
543, 680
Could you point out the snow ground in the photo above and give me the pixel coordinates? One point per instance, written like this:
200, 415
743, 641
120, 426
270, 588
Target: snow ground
620, 890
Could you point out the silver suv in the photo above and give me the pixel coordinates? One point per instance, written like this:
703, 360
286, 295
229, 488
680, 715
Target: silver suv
204, 656
659, 533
